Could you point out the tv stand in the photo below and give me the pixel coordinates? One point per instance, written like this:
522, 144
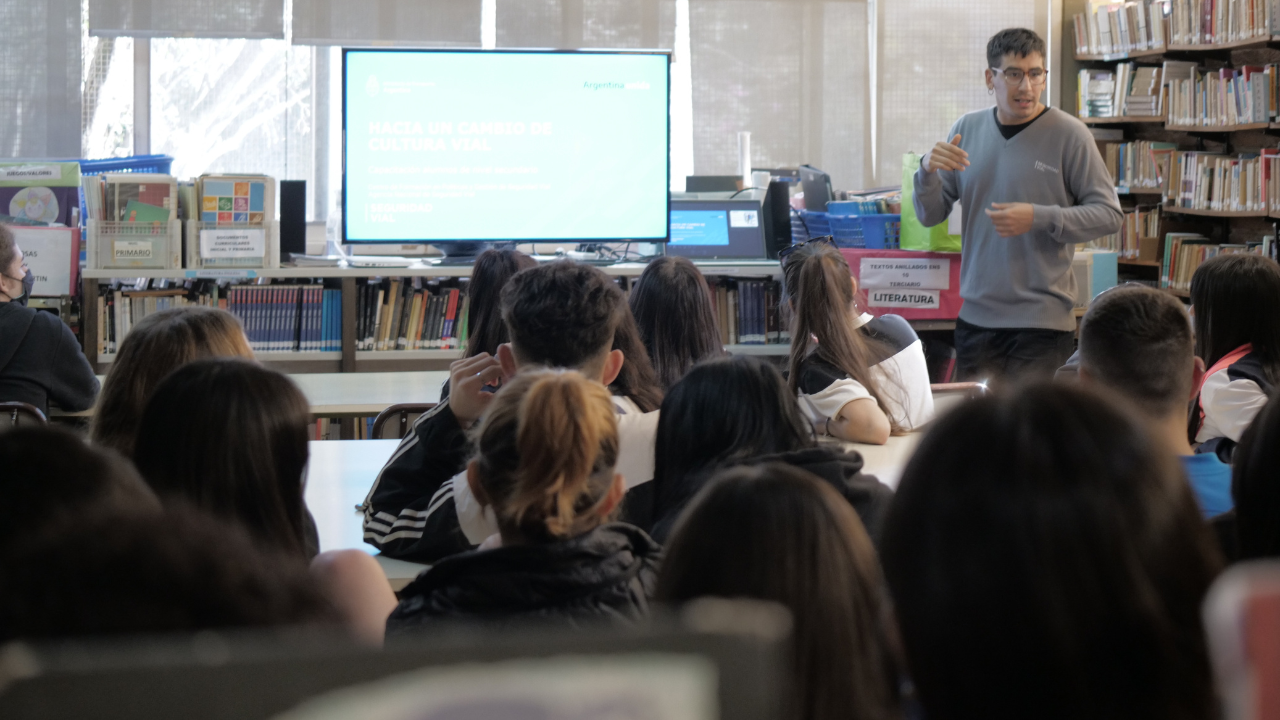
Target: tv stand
461, 253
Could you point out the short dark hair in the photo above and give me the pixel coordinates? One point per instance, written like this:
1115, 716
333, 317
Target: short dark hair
775, 532
1255, 486
8, 248
125, 573
1044, 538
723, 411
230, 437
46, 473
672, 307
493, 268
562, 314
1137, 342
1233, 297
1014, 41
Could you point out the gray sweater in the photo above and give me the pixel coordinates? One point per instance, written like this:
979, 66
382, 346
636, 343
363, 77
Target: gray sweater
1023, 281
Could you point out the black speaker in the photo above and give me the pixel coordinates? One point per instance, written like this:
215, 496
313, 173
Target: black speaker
777, 218
293, 217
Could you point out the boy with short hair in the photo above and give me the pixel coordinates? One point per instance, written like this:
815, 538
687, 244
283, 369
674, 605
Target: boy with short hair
1136, 342
558, 315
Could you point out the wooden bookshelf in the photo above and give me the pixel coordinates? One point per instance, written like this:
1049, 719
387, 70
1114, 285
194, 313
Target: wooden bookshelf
1112, 57
1139, 263
1254, 42
1138, 191
1122, 119
1217, 128
1214, 213
1178, 293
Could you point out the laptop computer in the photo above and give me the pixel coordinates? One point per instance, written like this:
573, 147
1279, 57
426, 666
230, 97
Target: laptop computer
717, 230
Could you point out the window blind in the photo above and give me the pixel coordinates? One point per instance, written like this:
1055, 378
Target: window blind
187, 18
40, 79
568, 24
441, 23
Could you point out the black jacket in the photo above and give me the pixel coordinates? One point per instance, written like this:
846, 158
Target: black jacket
841, 468
606, 574
41, 360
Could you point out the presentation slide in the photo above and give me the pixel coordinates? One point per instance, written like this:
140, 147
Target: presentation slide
699, 227
477, 146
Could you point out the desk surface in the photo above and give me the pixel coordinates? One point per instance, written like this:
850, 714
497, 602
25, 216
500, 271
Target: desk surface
342, 471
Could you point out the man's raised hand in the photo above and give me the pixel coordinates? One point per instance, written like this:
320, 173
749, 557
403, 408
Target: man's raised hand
946, 156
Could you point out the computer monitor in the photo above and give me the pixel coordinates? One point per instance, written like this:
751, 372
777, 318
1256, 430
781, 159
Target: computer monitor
717, 229
817, 188
453, 147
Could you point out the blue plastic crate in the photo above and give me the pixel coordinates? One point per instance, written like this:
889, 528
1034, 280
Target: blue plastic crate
817, 223
136, 164
880, 232
846, 230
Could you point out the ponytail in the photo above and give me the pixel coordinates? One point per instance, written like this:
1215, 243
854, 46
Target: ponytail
820, 292
547, 450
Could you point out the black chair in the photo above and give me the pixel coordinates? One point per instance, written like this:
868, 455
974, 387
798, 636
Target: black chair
19, 414
404, 415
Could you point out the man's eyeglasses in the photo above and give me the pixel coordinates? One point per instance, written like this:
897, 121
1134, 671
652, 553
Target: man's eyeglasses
1014, 76
820, 240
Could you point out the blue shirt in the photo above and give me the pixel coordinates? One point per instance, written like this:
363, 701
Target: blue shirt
1211, 480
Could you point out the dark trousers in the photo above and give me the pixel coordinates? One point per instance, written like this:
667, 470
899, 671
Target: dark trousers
1010, 354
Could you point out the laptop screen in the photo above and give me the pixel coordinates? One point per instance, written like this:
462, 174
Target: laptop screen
716, 229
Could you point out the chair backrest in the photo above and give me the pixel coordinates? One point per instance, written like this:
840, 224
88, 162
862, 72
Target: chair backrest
20, 414
404, 414
1242, 621
946, 396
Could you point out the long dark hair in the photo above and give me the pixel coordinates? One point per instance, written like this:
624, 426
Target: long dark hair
819, 292
1047, 559
776, 532
1255, 485
636, 379
722, 411
1233, 297
230, 437
493, 268
672, 307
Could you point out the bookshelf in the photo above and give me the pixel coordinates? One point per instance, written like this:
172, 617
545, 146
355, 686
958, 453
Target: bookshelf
1123, 119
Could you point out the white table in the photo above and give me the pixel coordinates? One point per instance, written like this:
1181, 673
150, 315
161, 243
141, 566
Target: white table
342, 471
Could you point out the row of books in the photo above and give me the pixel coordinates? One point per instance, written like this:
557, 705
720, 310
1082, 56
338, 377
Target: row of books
1134, 165
747, 312
331, 428
1140, 224
1128, 90
1203, 181
1184, 252
1217, 22
1115, 26
411, 314
152, 198
276, 318
1222, 97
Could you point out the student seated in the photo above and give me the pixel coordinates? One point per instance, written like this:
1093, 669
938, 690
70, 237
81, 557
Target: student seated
561, 315
545, 464
159, 344
735, 411
859, 378
492, 269
47, 474
1251, 529
1238, 337
40, 358
1136, 345
777, 533
178, 570
672, 306
1046, 559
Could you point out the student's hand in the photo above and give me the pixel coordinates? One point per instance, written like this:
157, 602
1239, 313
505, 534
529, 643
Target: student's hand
467, 378
1011, 218
946, 156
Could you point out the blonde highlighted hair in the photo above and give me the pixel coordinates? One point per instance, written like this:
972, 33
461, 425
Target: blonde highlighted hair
546, 453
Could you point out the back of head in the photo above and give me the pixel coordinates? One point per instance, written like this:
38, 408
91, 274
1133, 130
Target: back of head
1232, 296
230, 437
774, 532
159, 344
128, 574
1255, 485
672, 307
636, 380
1047, 559
819, 292
562, 314
46, 474
545, 453
8, 247
722, 411
1136, 341
493, 268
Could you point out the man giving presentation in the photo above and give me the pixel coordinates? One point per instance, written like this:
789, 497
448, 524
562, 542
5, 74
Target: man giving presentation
1032, 185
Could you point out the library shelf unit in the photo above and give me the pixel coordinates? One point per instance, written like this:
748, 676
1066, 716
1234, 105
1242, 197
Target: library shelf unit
1123, 119
1217, 128
1214, 213
349, 358
1117, 57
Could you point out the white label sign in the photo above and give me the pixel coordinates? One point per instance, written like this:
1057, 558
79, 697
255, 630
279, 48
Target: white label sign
131, 249
744, 218
922, 273
31, 172
921, 299
214, 274
47, 251
220, 243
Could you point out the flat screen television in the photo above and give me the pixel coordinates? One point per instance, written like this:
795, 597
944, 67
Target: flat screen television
459, 148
